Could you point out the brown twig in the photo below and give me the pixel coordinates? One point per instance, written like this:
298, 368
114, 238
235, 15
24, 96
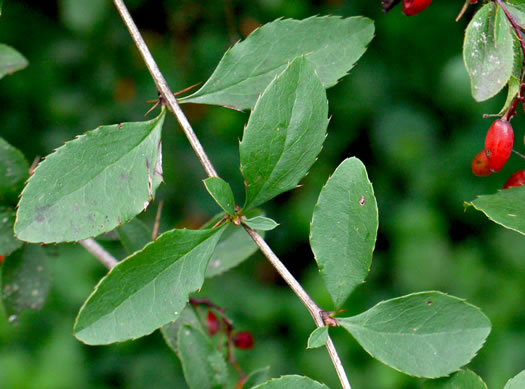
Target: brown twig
172, 104
463, 10
163, 88
157, 221
99, 252
315, 311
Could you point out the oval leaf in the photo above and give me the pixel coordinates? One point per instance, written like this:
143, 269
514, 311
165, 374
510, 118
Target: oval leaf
148, 289
203, 366
506, 207
427, 334
463, 379
25, 281
517, 10
10, 60
222, 193
291, 382
333, 45
14, 170
261, 223
284, 134
92, 184
518, 382
344, 229
8, 242
318, 337
488, 52
513, 89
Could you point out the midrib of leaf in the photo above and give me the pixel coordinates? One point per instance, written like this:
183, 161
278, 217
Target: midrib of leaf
412, 334
153, 280
98, 173
232, 85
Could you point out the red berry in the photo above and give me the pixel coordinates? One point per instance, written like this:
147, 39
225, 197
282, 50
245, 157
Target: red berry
2, 258
517, 179
213, 323
243, 340
412, 7
498, 144
480, 165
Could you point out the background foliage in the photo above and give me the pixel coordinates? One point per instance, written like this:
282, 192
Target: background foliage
405, 111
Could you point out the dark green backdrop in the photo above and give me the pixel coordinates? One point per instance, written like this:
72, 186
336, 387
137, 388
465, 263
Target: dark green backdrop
405, 110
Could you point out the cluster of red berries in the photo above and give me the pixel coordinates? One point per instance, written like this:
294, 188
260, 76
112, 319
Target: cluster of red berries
242, 340
498, 147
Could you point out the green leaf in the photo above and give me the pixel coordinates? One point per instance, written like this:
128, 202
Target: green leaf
506, 207
261, 223
25, 281
134, 235
284, 134
92, 184
463, 379
222, 193
344, 229
427, 334
203, 366
517, 10
291, 382
10, 60
14, 170
318, 337
512, 92
1, 4
8, 242
148, 289
170, 331
488, 52
517, 382
234, 247
332, 44
257, 377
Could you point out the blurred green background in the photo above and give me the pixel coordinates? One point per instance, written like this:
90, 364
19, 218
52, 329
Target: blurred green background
405, 110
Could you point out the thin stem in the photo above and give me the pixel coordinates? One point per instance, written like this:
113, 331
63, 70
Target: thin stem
518, 154
157, 221
163, 88
312, 307
172, 104
99, 252
315, 311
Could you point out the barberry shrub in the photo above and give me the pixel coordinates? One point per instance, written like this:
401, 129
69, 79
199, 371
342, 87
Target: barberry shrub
100, 181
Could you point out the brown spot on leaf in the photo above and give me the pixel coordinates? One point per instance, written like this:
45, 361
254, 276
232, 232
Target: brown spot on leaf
362, 200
